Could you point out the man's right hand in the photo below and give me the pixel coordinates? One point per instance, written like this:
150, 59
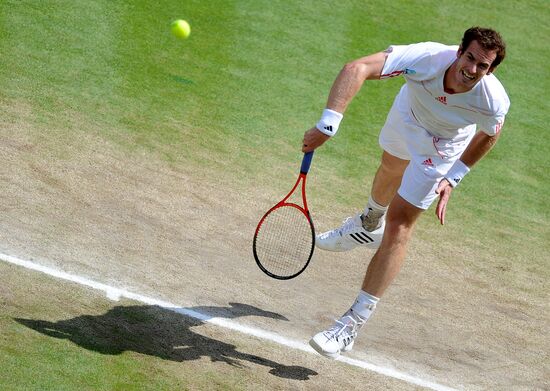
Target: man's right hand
313, 138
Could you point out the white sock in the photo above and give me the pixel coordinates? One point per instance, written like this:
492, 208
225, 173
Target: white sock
365, 304
372, 204
373, 215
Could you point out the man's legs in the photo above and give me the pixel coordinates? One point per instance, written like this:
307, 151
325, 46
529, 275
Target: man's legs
384, 187
387, 261
381, 271
367, 228
387, 178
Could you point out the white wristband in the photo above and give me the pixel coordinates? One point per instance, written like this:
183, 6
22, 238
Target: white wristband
457, 172
329, 122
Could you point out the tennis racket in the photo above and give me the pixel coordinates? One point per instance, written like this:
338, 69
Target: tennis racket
285, 238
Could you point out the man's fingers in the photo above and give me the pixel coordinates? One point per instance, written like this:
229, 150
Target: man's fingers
438, 210
307, 148
442, 211
313, 138
444, 190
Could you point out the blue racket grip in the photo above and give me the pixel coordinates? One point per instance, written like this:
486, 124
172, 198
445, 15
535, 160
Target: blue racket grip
306, 162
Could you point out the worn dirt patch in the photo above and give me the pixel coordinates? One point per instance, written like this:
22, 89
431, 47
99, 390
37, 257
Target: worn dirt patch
183, 234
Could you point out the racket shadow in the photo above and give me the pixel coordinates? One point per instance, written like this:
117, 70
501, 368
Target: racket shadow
237, 310
162, 333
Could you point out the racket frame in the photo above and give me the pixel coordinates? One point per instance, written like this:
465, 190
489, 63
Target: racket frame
306, 162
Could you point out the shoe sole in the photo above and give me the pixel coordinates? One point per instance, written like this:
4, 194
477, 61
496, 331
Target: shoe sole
318, 349
371, 246
332, 249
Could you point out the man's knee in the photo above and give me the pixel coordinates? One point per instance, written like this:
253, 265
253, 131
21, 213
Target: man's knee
401, 214
391, 165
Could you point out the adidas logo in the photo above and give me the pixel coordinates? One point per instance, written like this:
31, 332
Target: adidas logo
428, 162
442, 99
456, 180
361, 238
329, 128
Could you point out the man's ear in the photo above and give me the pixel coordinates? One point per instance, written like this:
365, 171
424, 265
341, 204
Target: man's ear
491, 69
459, 52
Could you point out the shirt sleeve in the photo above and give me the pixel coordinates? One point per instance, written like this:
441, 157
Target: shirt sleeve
492, 124
419, 61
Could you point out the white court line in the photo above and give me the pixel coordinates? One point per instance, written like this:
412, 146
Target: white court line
116, 293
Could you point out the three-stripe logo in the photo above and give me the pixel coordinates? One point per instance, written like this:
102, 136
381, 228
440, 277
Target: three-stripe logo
361, 238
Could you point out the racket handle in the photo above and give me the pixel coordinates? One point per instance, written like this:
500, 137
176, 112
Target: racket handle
306, 162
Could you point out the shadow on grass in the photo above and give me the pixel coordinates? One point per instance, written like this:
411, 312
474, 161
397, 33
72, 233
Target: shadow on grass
162, 333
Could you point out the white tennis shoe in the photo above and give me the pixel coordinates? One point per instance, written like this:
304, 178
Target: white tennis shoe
350, 235
339, 338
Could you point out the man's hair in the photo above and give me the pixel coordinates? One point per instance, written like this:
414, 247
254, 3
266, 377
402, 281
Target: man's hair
489, 39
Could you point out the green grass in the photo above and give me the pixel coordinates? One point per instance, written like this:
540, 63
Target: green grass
236, 97
45, 363
50, 345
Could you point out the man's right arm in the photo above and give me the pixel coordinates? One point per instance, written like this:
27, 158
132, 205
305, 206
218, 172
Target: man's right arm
351, 78
347, 84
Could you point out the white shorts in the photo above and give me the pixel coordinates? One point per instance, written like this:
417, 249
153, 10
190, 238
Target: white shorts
430, 157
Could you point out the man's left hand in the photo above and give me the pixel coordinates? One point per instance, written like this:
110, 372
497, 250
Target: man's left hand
444, 190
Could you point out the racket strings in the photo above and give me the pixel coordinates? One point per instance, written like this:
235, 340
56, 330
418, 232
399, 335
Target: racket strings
284, 241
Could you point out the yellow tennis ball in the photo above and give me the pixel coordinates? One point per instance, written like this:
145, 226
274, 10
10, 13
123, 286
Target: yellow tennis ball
181, 29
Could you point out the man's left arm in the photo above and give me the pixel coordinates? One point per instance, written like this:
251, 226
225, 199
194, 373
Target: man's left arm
479, 146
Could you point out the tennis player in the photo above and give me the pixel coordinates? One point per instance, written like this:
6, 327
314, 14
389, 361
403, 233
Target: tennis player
446, 117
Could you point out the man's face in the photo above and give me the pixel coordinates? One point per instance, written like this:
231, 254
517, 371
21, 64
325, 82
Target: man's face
473, 63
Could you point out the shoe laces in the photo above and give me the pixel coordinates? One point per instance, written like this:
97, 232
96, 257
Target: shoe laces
347, 225
346, 327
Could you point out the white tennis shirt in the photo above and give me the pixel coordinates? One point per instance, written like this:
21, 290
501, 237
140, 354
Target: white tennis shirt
444, 115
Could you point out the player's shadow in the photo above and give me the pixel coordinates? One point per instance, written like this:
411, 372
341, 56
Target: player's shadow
162, 333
